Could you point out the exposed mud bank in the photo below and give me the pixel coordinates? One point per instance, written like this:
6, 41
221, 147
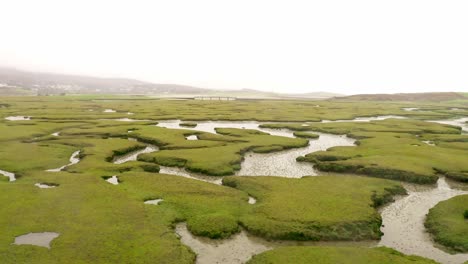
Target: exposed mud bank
403, 222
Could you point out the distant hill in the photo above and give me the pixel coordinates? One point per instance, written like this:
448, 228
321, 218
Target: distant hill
51, 83
445, 96
317, 95
18, 82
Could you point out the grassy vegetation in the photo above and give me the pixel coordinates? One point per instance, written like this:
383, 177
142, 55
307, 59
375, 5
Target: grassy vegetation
305, 134
92, 107
103, 223
188, 124
336, 255
447, 222
294, 208
393, 149
97, 223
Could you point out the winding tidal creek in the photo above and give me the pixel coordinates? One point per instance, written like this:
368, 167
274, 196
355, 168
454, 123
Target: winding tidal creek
403, 220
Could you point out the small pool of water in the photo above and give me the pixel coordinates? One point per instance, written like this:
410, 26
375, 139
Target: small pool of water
10, 175
113, 180
36, 239
109, 111
17, 118
154, 202
252, 200
192, 137
410, 109
430, 143
44, 185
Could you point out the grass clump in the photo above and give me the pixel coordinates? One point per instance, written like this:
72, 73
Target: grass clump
188, 124
306, 135
334, 255
293, 209
150, 167
215, 226
448, 225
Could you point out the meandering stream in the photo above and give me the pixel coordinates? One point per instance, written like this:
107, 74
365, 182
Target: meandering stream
281, 163
242, 246
403, 220
74, 159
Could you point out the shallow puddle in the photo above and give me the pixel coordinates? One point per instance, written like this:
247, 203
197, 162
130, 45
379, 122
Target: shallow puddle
74, 159
45, 186
113, 180
403, 222
410, 109
56, 134
18, 118
430, 143
36, 239
241, 247
10, 175
109, 111
252, 200
132, 156
154, 202
192, 137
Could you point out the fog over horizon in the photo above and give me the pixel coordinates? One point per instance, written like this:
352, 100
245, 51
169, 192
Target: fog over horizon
338, 46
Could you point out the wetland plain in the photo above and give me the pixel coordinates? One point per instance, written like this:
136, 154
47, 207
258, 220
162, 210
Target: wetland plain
257, 181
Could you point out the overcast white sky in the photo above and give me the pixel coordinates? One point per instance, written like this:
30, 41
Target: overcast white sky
343, 46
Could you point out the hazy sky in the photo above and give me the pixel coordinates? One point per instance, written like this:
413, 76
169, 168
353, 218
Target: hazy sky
283, 46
